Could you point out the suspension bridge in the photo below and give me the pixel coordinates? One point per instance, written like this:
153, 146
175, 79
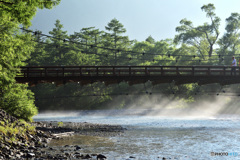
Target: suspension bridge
130, 74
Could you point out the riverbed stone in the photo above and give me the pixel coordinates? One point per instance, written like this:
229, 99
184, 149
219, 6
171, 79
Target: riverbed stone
30, 155
18, 156
67, 154
86, 156
101, 157
78, 147
35, 146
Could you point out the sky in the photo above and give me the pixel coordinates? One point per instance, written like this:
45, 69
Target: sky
141, 18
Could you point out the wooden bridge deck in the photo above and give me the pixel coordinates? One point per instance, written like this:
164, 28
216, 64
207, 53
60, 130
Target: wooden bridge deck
131, 74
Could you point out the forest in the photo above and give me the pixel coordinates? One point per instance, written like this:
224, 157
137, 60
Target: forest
193, 45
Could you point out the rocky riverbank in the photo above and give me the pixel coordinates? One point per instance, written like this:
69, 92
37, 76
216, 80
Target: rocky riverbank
84, 128
20, 140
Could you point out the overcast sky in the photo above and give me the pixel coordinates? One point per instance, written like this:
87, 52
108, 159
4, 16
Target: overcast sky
141, 18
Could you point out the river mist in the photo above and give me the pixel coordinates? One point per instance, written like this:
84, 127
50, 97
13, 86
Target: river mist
172, 128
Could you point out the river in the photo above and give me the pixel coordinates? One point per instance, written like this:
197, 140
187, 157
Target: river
154, 137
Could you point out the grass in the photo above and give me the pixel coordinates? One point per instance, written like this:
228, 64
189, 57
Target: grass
13, 131
60, 124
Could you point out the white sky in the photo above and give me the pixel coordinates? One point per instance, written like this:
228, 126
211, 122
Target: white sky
141, 18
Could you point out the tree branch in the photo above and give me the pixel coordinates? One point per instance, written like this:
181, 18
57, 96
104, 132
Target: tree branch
199, 49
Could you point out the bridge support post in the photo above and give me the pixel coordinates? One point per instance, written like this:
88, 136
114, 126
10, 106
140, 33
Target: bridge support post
45, 71
97, 71
114, 71
27, 72
209, 71
63, 71
146, 70
80, 71
177, 71
162, 73
130, 70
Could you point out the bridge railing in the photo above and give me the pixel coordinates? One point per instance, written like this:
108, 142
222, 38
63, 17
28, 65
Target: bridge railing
73, 71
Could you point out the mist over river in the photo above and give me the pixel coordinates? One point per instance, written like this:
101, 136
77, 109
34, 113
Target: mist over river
150, 136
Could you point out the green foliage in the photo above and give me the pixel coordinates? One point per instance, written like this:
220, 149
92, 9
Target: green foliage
60, 124
115, 40
22, 11
3, 130
16, 130
150, 40
115, 27
202, 37
197, 43
15, 47
19, 101
230, 43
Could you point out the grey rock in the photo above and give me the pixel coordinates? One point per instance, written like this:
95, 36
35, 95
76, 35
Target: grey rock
7, 148
86, 157
18, 156
67, 154
101, 157
30, 155
44, 145
77, 147
78, 156
8, 156
32, 148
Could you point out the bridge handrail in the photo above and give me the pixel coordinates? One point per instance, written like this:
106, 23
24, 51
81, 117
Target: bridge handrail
62, 71
120, 66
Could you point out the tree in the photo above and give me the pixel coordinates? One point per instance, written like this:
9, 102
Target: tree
150, 40
203, 37
22, 11
115, 38
58, 45
15, 47
73, 50
154, 54
39, 56
230, 42
91, 38
146, 49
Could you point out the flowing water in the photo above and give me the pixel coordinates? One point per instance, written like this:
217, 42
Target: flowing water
155, 137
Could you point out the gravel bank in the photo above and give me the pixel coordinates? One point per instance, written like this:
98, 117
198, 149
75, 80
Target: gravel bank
34, 146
